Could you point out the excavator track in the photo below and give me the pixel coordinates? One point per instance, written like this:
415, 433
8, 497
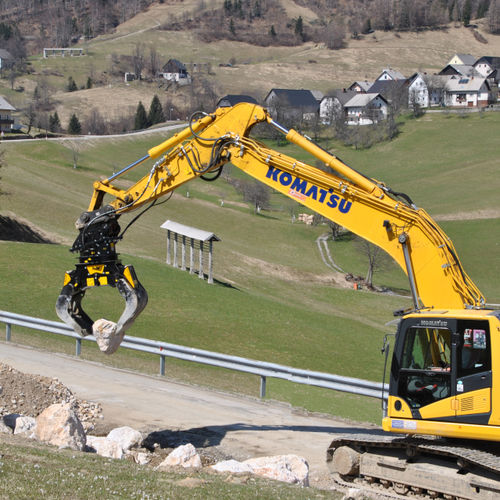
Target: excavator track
416, 467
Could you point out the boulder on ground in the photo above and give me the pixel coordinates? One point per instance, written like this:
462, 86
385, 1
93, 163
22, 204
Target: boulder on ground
59, 425
232, 466
287, 468
25, 426
126, 437
184, 456
104, 447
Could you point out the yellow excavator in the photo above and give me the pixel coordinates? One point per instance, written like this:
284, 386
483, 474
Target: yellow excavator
443, 406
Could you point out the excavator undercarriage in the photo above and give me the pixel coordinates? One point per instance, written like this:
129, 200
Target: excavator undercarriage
416, 466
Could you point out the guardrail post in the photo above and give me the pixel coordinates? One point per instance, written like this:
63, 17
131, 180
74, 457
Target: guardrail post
78, 347
7, 332
162, 365
263, 386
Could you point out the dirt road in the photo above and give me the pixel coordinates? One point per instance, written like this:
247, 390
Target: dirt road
238, 426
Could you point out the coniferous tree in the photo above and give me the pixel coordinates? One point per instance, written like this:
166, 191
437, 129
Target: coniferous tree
141, 118
90, 83
155, 114
467, 12
71, 85
54, 123
74, 127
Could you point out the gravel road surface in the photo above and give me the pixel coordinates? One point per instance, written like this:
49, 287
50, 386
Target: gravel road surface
238, 426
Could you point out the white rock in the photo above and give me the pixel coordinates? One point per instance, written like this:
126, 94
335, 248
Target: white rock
184, 456
126, 437
142, 458
107, 337
232, 466
25, 426
104, 447
59, 425
353, 494
286, 468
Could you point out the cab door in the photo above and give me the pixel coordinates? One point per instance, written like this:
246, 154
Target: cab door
473, 377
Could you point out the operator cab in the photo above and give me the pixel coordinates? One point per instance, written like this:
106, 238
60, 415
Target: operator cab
442, 359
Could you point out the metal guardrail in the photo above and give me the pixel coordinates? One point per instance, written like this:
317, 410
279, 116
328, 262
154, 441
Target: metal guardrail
164, 349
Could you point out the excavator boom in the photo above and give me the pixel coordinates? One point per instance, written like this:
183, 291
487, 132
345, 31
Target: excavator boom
362, 205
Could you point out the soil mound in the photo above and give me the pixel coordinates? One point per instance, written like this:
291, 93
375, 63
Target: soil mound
14, 230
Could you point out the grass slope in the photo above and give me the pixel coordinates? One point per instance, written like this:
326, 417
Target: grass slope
274, 299
33, 470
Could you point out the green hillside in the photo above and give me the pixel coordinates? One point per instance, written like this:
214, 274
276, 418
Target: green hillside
273, 299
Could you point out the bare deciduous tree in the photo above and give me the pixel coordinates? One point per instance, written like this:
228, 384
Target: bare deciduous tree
138, 59
377, 258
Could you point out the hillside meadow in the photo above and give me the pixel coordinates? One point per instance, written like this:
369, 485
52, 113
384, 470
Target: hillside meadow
273, 298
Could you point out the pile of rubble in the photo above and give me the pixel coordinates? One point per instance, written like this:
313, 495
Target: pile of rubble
44, 409
29, 395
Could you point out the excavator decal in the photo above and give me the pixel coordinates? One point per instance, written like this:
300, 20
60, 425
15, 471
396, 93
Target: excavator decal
300, 190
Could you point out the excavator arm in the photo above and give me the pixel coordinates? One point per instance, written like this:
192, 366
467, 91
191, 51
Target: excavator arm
362, 205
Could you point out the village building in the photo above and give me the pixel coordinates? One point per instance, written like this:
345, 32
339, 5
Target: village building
489, 67
464, 59
6, 59
366, 109
418, 92
331, 107
294, 105
467, 92
6, 119
360, 86
460, 70
175, 71
390, 74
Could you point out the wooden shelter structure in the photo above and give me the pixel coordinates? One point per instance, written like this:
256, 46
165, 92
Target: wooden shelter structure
181, 235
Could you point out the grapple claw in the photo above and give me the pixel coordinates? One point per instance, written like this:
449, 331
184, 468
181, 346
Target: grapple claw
69, 308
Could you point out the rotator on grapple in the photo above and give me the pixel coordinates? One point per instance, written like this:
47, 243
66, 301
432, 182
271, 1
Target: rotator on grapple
99, 265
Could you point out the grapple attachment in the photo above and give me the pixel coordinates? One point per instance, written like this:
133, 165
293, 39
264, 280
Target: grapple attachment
76, 282
99, 266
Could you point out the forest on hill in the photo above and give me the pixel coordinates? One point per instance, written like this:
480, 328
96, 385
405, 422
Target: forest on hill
30, 25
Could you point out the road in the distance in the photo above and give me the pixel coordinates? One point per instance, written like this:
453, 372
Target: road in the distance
240, 426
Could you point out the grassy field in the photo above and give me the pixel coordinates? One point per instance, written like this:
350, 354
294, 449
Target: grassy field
31, 470
273, 298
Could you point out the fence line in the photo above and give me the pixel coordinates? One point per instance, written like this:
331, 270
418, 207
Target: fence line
163, 349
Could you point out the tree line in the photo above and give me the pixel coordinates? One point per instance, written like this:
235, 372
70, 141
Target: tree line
265, 22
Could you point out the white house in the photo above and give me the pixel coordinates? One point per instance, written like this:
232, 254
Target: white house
360, 86
466, 59
390, 74
467, 92
6, 120
6, 59
175, 71
489, 67
418, 93
331, 106
366, 109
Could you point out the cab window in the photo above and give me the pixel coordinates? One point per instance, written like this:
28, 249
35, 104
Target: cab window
475, 353
427, 349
